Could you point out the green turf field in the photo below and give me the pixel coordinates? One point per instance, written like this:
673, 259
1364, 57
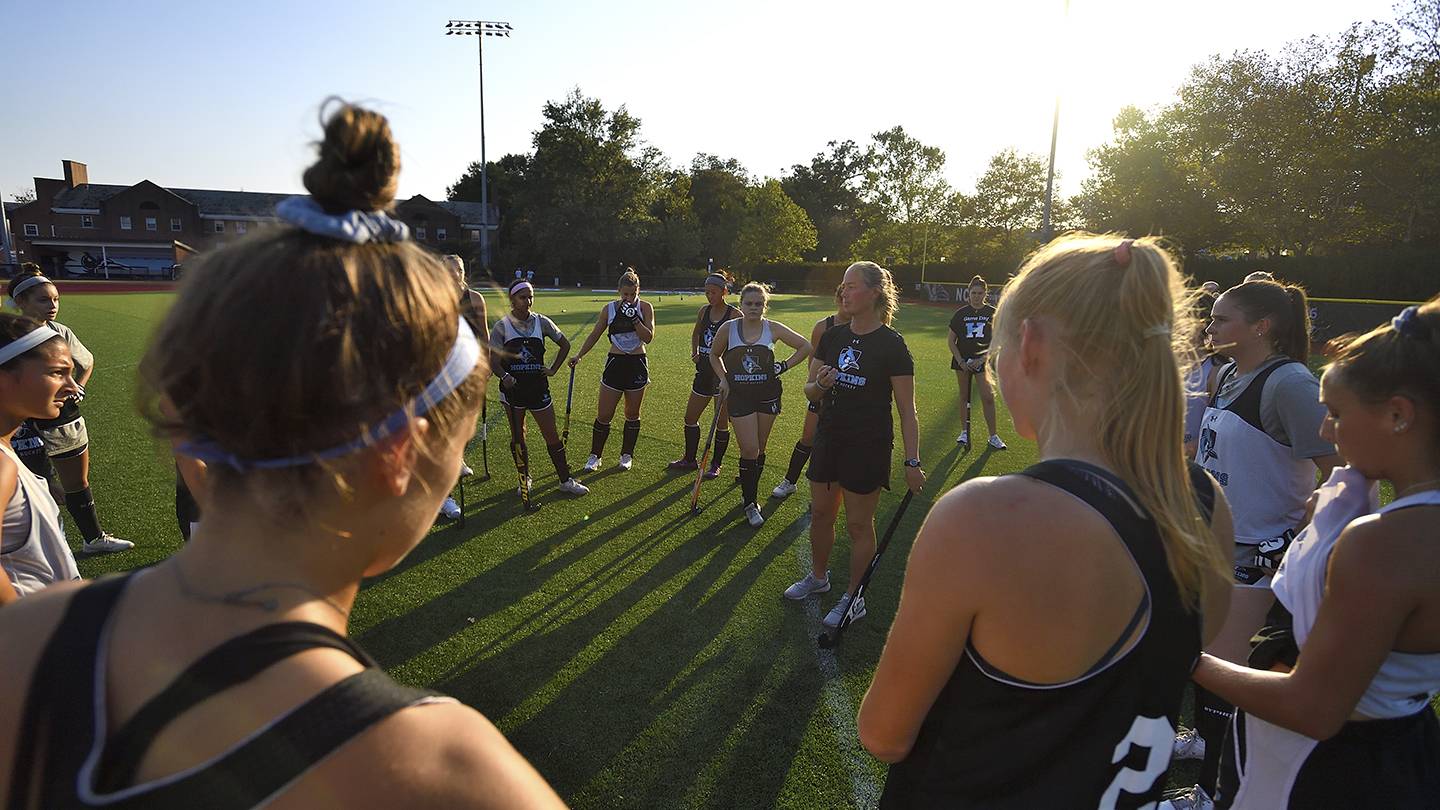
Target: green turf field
640, 657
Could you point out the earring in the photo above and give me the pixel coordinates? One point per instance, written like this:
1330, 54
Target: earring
1401, 426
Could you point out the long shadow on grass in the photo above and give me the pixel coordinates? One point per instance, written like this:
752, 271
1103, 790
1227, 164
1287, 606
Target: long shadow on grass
642, 678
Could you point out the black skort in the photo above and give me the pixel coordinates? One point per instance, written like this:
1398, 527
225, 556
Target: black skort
625, 372
860, 465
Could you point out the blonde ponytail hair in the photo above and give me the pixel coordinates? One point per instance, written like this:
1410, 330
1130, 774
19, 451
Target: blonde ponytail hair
877, 278
1124, 322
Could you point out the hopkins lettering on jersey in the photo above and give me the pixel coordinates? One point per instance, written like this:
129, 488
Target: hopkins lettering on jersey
975, 330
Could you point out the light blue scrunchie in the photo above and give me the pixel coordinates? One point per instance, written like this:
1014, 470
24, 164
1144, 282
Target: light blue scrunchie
357, 227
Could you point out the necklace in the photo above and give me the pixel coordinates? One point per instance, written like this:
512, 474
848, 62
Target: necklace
246, 598
1416, 487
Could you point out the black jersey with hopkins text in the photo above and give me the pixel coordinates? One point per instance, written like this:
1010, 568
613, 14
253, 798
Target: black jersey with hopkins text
859, 401
707, 333
621, 317
750, 367
524, 351
972, 329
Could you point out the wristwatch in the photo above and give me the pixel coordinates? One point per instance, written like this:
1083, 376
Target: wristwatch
912, 462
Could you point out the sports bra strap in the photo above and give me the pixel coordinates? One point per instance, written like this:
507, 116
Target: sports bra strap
230, 664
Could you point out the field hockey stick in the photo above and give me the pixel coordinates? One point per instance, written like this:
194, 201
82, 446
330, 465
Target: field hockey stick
704, 457
485, 436
569, 395
828, 640
522, 463
969, 381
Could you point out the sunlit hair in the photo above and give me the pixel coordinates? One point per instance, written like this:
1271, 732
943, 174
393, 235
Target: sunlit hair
1383, 363
286, 342
1122, 346
1286, 307
879, 279
757, 287
839, 293
14, 327
978, 281
629, 278
27, 270
729, 279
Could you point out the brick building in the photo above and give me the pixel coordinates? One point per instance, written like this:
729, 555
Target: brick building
78, 228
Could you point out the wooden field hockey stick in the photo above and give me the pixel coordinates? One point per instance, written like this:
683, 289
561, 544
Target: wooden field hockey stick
522, 462
828, 640
705, 456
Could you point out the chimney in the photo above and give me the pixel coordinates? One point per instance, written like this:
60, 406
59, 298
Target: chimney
75, 174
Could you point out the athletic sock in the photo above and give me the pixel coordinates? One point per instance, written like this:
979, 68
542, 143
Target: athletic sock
629, 435
749, 479
722, 441
598, 438
1212, 720
81, 506
798, 457
557, 457
692, 441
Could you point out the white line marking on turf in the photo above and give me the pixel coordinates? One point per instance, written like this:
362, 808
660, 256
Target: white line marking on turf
839, 709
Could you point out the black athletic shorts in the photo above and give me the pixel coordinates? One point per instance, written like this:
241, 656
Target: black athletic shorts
528, 394
859, 464
742, 405
954, 366
706, 383
625, 372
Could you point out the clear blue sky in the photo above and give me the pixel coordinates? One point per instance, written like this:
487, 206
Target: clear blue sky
224, 95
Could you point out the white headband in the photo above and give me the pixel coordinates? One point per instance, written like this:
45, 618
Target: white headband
519, 285
27, 284
25, 343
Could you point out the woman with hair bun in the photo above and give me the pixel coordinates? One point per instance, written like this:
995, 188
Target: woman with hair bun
1049, 618
65, 436
630, 323
1347, 722
35, 382
706, 387
856, 372
222, 676
969, 340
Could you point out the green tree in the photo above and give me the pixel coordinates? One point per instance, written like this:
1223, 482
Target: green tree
718, 189
774, 228
828, 190
906, 193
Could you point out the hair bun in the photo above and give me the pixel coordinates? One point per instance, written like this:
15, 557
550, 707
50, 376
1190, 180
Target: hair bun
359, 165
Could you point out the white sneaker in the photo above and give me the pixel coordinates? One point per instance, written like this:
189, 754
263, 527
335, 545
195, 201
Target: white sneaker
520, 490
625, 461
752, 514
106, 543
1191, 798
837, 613
574, 487
964, 437
591, 464
783, 489
450, 510
465, 470
996, 442
1189, 745
808, 587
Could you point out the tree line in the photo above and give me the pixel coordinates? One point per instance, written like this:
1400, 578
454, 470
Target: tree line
1328, 146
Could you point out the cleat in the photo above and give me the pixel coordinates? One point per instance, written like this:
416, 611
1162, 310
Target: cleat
808, 586
682, 464
1191, 798
782, 490
106, 543
996, 443
450, 510
752, 514
713, 472
574, 487
1189, 745
963, 438
465, 470
591, 464
626, 460
837, 613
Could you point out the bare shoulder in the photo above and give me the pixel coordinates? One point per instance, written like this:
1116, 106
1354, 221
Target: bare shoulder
440, 755
1391, 547
979, 515
25, 628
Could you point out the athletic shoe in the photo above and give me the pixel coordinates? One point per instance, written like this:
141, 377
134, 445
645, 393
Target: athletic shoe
591, 464
752, 514
106, 543
808, 586
682, 465
783, 489
996, 443
465, 470
520, 490
450, 510
625, 461
1189, 745
574, 487
1191, 798
964, 437
713, 472
837, 613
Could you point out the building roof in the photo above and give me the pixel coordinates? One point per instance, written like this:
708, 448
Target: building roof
236, 203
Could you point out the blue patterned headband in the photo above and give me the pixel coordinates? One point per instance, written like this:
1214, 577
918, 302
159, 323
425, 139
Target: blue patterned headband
1408, 323
458, 367
358, 227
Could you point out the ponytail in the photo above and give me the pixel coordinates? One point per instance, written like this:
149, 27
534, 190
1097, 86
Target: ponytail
1293, 340
1287, 308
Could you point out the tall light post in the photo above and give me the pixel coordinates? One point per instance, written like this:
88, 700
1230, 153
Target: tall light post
1047, 229
480, 29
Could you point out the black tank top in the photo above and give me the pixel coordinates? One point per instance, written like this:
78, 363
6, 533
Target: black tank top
1101, 740
621, 328
64, 761
750, 367
707, 335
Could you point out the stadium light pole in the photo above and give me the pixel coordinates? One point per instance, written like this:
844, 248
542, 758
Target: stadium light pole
1047, 228
480, 29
